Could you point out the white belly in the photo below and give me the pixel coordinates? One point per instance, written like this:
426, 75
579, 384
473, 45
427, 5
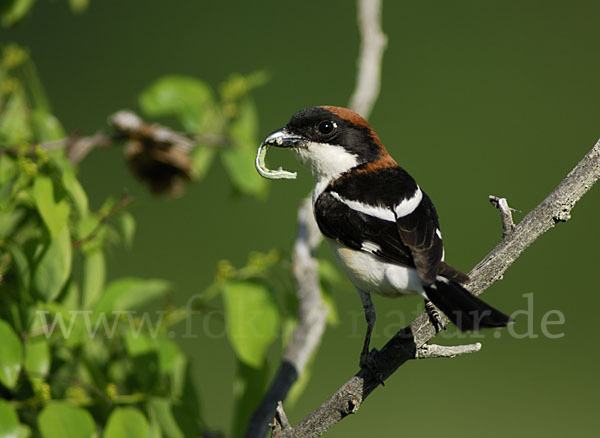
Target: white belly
372, 275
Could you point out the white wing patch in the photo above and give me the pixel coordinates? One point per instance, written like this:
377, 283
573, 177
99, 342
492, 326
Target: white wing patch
370, 247
379, 212
407, 206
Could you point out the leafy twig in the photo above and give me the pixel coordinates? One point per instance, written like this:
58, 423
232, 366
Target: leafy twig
127, 126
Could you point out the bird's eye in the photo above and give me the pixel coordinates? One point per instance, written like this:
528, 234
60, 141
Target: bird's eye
326, 127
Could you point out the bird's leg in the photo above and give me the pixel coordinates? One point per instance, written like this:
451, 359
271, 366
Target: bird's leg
434, 316
366, 356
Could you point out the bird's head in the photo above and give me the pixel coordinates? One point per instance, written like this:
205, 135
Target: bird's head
330, 140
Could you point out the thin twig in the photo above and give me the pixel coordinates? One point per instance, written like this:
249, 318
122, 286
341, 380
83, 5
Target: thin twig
429, 351
505, 214
73, 381
406, 343
372, 45
77, 147
280, 422
127, 126
80, 147
281, 416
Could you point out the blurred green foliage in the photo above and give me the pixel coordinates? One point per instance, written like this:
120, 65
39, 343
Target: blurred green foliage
13, 11
77, 358
64, 383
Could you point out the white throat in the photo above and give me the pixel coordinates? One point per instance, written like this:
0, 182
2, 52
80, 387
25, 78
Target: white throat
325, 162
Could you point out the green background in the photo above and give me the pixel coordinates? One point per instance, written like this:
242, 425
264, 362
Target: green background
478, 98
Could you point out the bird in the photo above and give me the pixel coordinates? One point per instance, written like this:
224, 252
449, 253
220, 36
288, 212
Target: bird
382, 227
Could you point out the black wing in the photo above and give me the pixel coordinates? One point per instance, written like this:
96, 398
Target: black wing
420, 231
360, 231
359, 211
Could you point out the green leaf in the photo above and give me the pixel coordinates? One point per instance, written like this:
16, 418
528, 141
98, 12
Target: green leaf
70, 295
61, 323
14, 127
244, 128
184, 396
55, 215
8, 168
131, 293
138, 344
9, 221
154, 428
63, 420
21, 266
76, 192
54, 267
190, 99
202, 158
126, 224
13, 11
126, 423
37, 356
24, 431
161, 410
94, 275
252, 320
47, 126
169, 354
92, 231
238, 86
239, 164
239, 159
9, 421
78, 6
11, 355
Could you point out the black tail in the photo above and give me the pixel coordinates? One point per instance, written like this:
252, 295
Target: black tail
466, 311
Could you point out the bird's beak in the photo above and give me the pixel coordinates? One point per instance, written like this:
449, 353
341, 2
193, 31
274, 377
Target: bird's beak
284, 139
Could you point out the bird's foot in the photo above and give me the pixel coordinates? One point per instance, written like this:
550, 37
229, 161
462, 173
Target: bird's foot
434, 316
367, 362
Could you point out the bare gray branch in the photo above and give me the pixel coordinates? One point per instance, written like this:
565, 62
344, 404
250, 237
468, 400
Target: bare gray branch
372, 45
430, 351
407, 342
